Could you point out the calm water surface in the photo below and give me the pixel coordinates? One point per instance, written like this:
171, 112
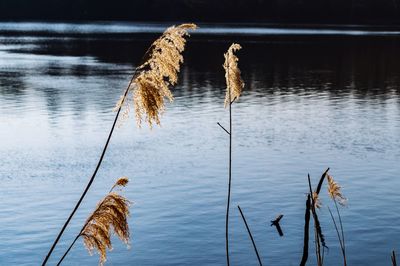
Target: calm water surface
312, 101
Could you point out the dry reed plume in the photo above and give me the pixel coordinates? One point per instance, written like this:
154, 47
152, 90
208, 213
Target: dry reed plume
149, 85
234, 81
154, 77
334, 191
111, 213
234, 86
121, 182
317, 200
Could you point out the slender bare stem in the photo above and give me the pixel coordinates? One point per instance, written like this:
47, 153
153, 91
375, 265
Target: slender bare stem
90, 180
251, 236
342, 231
393, 257
72, 244
229, 180
339, 237
227, 132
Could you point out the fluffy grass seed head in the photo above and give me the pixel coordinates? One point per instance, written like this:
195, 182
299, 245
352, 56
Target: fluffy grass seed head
111, 214
334, 191
153, 79
317, 200
121, 182
234, 82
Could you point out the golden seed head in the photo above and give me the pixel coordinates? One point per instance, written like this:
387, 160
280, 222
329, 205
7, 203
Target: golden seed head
121, 182
234, 82
317, 201
111, 213
334, 191
151, 84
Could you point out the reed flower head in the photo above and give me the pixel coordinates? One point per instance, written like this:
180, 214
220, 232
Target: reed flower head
153, 79
111, 213
121, 182
316, 200
334, 191
234, 82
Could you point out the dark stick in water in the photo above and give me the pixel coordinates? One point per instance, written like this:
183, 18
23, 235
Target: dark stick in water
251, 236
393, 257
306, 232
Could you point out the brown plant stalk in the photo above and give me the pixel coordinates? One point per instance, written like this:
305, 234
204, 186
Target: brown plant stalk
234, 86
111, 213
334, 191
149, 97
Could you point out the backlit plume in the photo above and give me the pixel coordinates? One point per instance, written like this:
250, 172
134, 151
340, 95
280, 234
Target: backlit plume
153, 79
334, 191
317, 200
234, 82
121, 182
111, 214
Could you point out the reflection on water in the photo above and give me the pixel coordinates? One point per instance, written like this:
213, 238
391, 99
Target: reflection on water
310, 102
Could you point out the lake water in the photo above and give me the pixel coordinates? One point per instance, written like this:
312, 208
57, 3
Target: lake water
313, 99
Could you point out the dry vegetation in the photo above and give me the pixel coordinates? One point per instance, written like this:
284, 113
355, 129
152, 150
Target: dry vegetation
150, 86
155, 76
110, 214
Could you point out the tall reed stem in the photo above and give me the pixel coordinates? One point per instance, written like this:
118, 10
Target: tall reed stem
339, 237
342, 231
251, 236
229, 179
393, 257
72, 244
90, 180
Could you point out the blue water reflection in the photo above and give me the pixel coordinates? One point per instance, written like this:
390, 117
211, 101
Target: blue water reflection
310, 102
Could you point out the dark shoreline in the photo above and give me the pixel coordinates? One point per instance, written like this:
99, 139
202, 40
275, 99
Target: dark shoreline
333, 26
216, 31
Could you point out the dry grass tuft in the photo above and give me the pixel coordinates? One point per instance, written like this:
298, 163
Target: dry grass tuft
317, 200
111, 213
234, 81
155, 76
334, 190
121, 182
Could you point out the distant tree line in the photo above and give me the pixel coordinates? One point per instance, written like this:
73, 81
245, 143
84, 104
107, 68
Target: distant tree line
380, 12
